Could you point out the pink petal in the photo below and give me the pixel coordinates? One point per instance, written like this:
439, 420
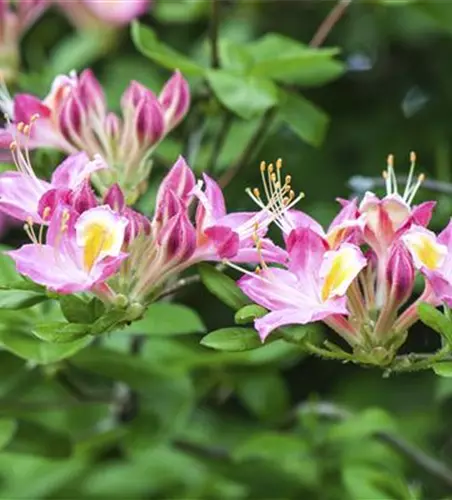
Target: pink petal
422, 214
20, 195
225, 240
27, 105
306, 251
118, 12
75, 169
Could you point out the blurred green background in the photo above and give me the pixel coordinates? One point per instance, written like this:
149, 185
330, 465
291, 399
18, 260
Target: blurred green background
173, 419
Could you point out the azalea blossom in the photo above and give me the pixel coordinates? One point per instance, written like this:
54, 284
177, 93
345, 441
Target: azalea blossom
16, 17
313, 287
22, 193
74, 117
80, 252
95, 14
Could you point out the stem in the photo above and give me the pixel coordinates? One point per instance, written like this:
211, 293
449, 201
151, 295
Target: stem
329, 22
214, 28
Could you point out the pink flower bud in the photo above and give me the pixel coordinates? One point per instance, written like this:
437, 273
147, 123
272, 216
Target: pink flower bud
400, 274
72, 118
168, 206
149, 121
178, 238
114, 198
118, 12
112, 126
84, 198
133, 94
138, 224
91, 93
175, 100
179, 179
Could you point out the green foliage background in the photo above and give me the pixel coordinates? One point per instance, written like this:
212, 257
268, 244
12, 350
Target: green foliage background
150, 412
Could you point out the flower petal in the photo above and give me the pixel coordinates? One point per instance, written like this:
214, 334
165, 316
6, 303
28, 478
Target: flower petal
75, 169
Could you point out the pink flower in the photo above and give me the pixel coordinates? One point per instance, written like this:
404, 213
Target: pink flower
92, 14
26, 197
80, 253
74, 117
230, 236
312, 288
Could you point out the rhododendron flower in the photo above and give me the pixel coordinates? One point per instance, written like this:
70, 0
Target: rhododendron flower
92, 14
21, 192
74, 117
16, 17
312, 288
80, 253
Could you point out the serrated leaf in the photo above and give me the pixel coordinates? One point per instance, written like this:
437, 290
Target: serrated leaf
304, 118
147, 43
249, 313
437, 321
244, 95
168, 319
60, 332
232, 339
222, 286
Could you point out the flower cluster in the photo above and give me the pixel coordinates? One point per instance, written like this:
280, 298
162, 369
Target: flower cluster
15, 19
358, 276
82, 241
74, 117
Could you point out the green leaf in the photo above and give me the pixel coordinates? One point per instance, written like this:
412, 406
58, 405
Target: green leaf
304, 118
147, 43
60, 332
288, 61
369, 482
8, 428
246, 96
362, 425
35, 350
265, 394
249, 313
110, 321
183, 12
297, 333
222, 286
437, 321
443, 369
20, 299
77, 310
168, 319
34, 439
117, 366
232, 339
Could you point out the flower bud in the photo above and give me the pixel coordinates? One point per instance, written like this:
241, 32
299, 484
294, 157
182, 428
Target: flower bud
84, 198
72, 118
133, 94
112, 126
180, 179
168, 206
91, 93
149, 121
400, 274
114, 198
175, 100
138, 224
117, 12
178, 238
